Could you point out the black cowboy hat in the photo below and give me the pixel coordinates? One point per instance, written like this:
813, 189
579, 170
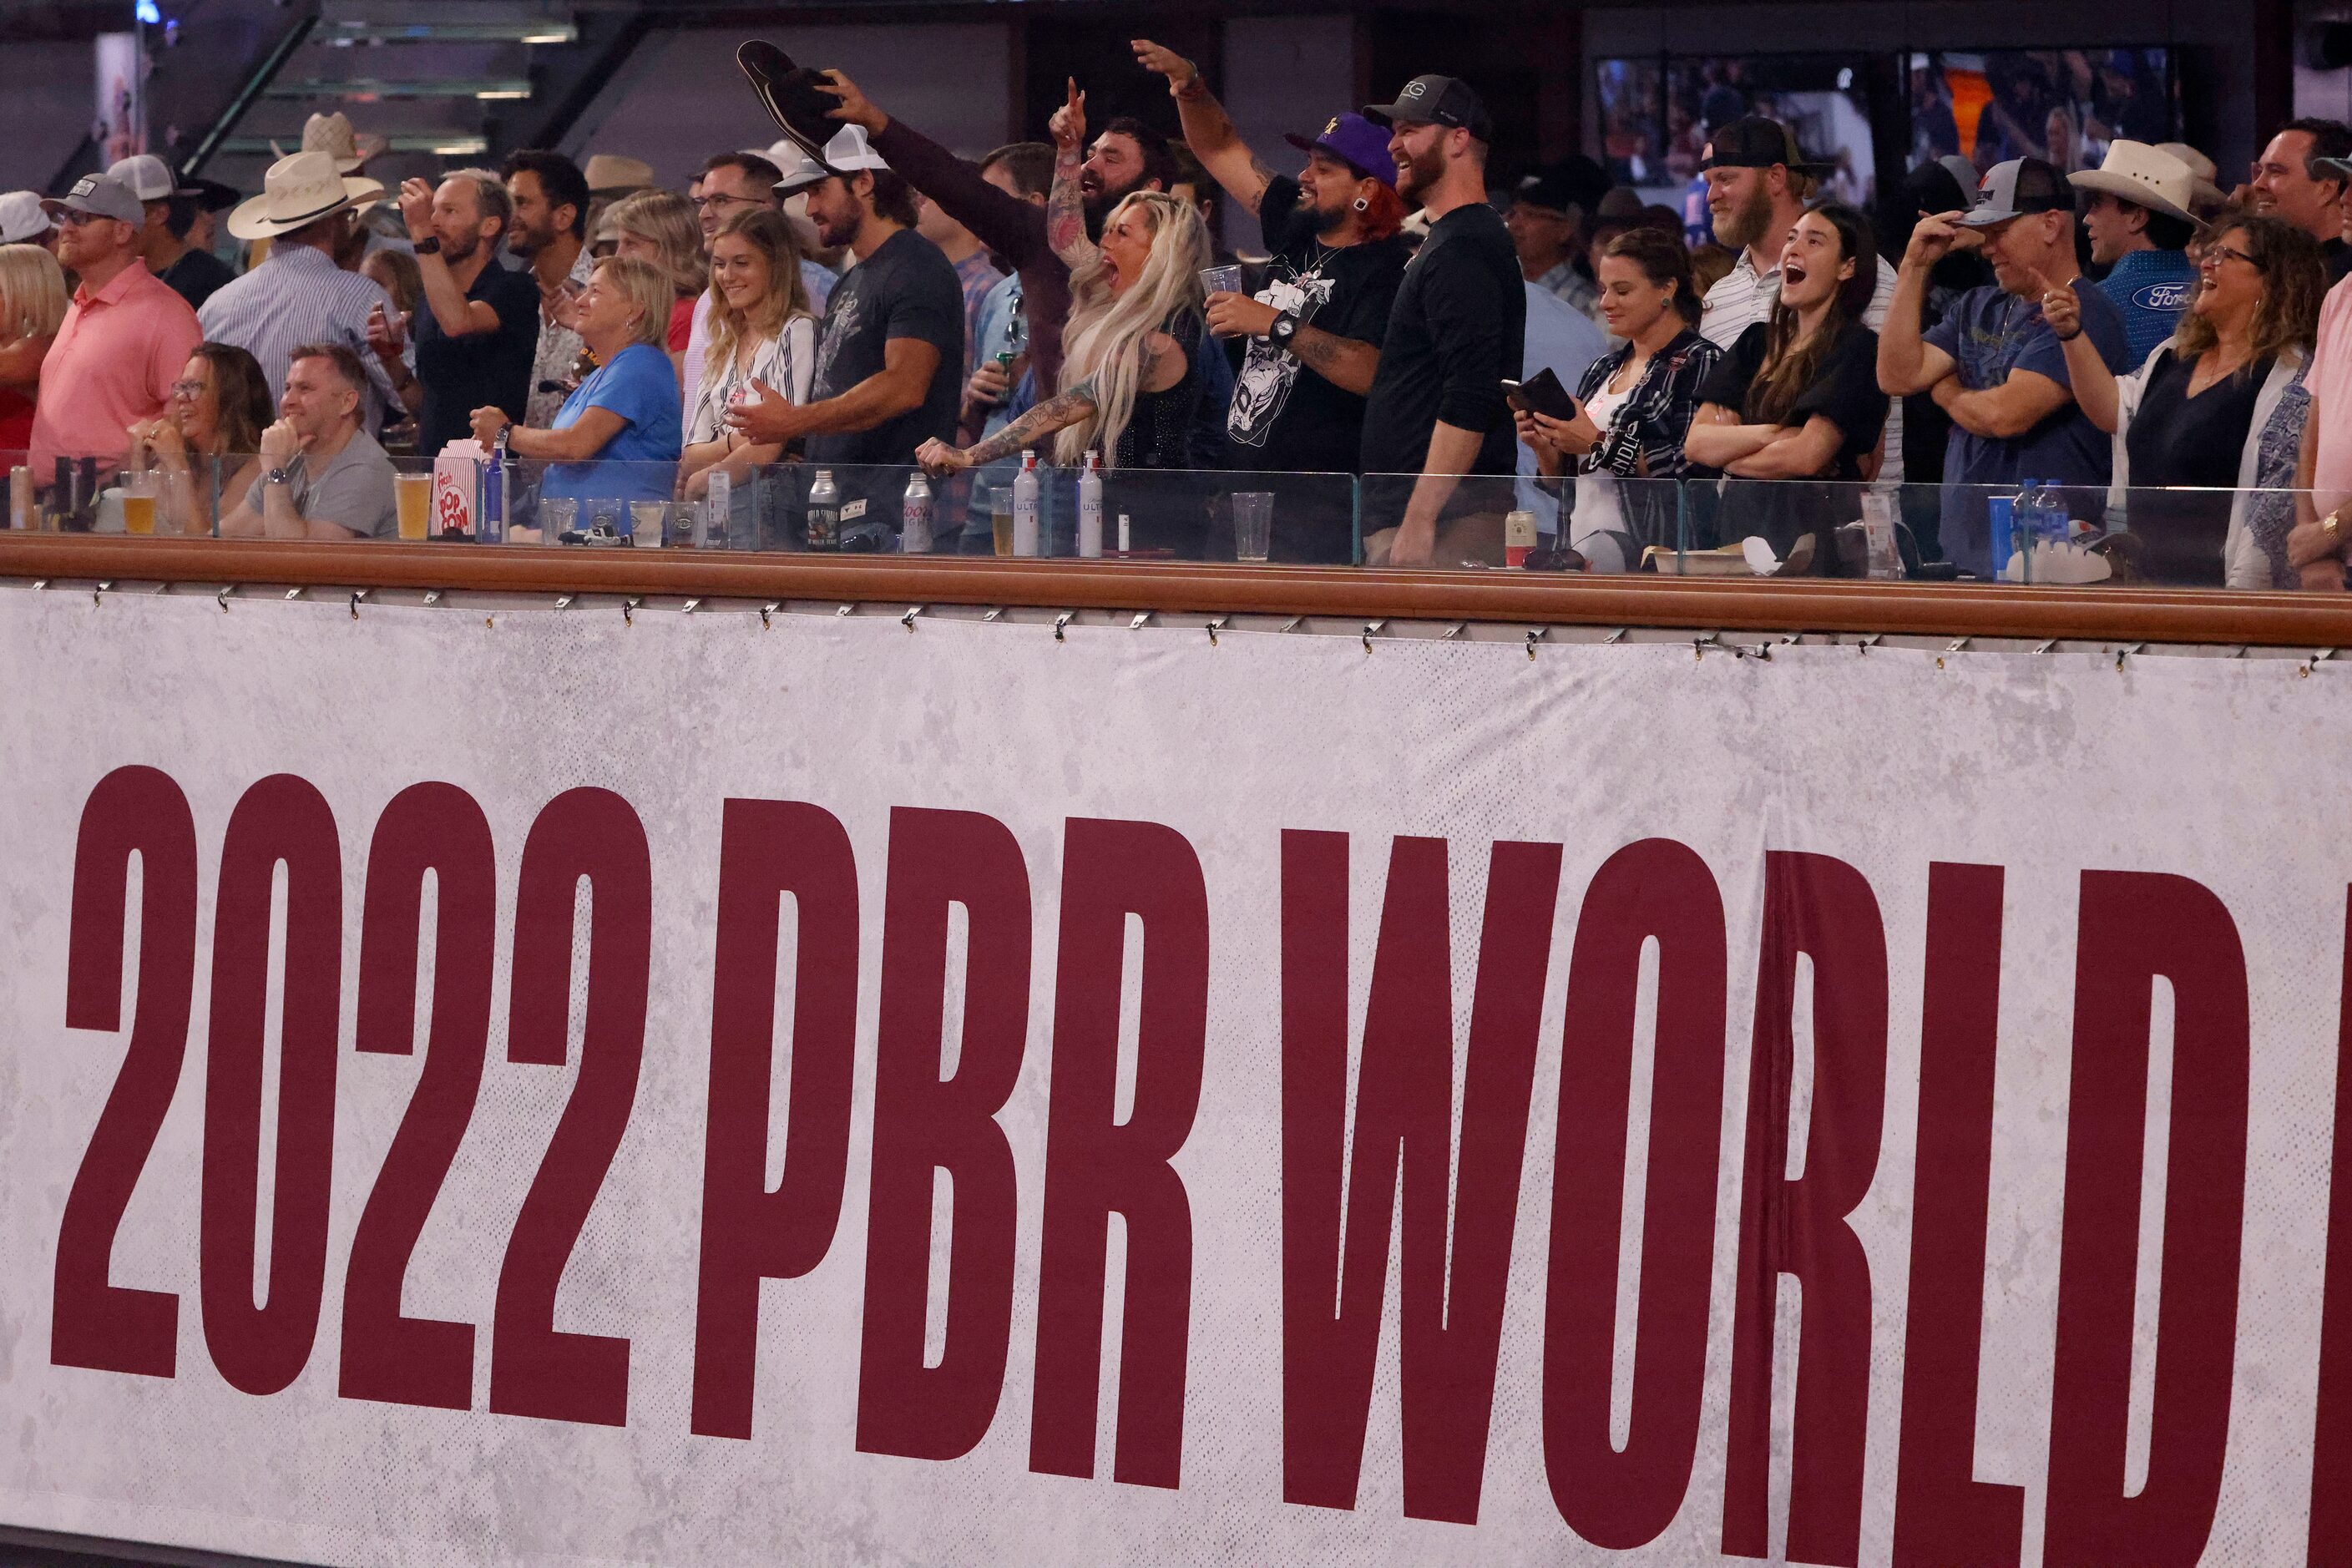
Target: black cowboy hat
792, 94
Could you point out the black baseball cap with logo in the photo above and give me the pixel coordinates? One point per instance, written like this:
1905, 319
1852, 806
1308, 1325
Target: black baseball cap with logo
2019, 186
1436, 100
1753, 142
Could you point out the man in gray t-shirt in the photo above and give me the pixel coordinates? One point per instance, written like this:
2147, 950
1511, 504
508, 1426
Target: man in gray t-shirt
322, 475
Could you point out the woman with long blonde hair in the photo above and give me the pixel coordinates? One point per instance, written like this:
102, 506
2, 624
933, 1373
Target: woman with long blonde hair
1128, 386
761, 329
33, 301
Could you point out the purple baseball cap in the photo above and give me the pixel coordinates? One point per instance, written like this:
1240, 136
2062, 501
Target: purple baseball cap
1357, 143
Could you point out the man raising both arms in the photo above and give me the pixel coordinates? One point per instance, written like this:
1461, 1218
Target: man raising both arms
1314, 331
1456, 334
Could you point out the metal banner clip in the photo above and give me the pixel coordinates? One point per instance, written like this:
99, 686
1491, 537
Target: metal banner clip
1059, 621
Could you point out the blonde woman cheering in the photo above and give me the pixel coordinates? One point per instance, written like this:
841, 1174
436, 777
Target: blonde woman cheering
1128, 387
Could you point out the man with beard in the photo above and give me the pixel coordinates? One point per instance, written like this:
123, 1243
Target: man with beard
550, 233
1314, 331
478, 325
1127, 156
1757, 189
1456, 332
891, 360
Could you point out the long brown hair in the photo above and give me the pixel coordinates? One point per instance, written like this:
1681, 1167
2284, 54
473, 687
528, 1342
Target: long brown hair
2294, 280
241, 405
1663, 260
770, 233
1791, 359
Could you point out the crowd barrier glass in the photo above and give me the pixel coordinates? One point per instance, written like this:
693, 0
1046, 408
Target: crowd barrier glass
2082, 535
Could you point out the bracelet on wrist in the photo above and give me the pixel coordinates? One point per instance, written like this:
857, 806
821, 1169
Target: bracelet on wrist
2069, 337
1191, 90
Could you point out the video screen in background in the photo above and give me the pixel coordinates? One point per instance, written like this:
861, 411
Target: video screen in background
2063, 105
1656, 110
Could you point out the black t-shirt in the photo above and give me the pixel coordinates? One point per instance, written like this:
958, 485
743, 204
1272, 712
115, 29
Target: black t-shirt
2194, 443
1844, 390
197, 276
1284, 418
480, 370
1456, 332
906, 288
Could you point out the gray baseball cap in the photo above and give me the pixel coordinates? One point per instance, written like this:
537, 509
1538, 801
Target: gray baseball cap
100, 195
2019, 186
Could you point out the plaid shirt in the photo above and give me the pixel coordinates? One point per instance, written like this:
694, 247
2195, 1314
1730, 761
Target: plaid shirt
1645, 439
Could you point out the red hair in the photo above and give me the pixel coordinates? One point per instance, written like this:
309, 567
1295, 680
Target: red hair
1384, 214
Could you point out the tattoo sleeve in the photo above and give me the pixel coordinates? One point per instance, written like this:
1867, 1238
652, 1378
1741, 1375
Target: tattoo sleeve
1348, 363
1054, 413
1065, 213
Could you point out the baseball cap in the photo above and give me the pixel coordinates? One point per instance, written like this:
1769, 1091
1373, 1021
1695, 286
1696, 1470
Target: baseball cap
1752, 141
1575, 183
21, 217
100, 195
1355, 141
1436, 100
2019, 186
149, 177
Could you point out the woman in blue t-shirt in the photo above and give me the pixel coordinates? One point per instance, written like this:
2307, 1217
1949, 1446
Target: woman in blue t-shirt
617, 437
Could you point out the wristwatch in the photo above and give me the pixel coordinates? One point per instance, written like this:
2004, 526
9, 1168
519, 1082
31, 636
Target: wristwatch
429, 246
277, 477
1285, 328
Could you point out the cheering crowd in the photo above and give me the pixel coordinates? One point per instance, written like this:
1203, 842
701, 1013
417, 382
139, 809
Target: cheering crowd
2169, 360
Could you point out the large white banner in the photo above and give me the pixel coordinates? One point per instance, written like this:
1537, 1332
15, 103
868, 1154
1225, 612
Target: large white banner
530, 1088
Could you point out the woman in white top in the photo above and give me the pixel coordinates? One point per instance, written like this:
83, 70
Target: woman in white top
761, 331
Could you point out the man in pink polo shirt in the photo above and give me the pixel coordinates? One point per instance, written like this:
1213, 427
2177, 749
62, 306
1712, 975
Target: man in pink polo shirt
124, 342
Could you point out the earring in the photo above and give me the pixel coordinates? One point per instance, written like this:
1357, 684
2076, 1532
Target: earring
1363, 204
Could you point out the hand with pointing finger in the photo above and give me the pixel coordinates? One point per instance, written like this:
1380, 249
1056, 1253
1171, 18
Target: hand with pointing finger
1068, 126
770, 419
2060, 308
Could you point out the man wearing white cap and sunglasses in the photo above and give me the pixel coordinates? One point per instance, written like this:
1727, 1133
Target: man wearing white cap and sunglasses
2137, 210
193, 275
298, 295
124, 342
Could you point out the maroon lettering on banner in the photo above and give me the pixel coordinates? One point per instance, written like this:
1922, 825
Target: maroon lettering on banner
1096, 1165
1451, 1323
1943, 1517
2331, 1447
923, 1123
1659, 889
591, 833
436, 828
768, 848
132, 811
1821, 907
281, 820
2134, 927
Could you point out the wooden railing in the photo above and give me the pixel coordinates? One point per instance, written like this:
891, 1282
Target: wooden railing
2097, 612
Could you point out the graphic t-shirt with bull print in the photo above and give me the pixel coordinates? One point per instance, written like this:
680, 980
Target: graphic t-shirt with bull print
1286, 418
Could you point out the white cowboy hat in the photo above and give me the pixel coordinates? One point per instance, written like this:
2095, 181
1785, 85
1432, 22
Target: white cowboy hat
2201, 171
332, 134
2141, 174
300, 189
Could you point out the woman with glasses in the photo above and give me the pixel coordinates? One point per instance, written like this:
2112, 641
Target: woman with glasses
2190, 426
208, 438
32, 308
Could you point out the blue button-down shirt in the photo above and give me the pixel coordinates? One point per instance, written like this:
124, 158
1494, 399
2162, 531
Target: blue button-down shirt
298, 296
2151, 288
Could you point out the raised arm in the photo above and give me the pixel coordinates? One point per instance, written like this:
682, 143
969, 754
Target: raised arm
1012, 228
1908, 363
456, 316
2093, 382
1208, 129
1066, 207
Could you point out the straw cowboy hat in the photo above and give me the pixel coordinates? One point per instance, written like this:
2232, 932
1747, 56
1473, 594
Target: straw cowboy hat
611, 176
300, 189
332, 134
2139, 173
2201, 171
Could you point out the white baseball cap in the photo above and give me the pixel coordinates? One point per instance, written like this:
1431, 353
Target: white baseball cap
21, 217
149, 177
